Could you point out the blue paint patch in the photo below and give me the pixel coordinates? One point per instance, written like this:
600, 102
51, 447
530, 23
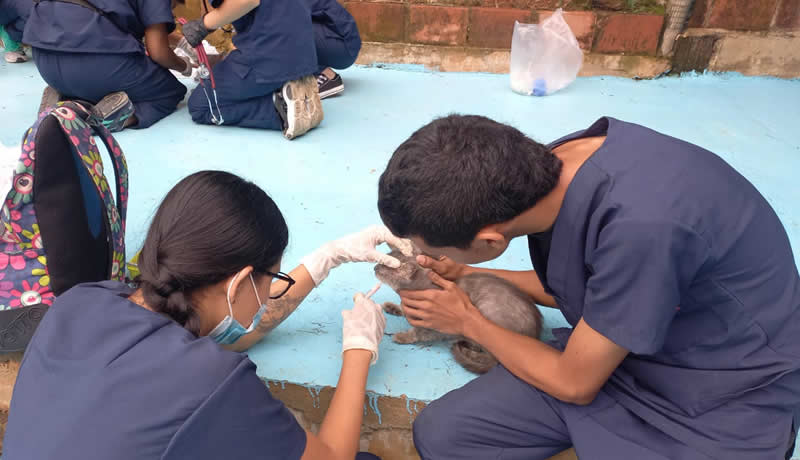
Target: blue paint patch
314, 391
326, 182
402, 67
372, 397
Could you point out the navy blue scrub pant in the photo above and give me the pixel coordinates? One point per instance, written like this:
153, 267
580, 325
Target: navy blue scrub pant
245, 96
154, 91
12, 22
498, 416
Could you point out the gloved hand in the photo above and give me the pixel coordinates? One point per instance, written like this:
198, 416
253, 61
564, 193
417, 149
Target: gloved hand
187, 72
358, 247
195, 31
363, 326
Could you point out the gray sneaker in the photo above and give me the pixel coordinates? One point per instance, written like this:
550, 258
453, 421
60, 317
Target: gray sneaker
113, 111
299, 106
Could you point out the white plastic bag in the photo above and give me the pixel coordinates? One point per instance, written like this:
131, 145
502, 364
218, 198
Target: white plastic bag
545, 57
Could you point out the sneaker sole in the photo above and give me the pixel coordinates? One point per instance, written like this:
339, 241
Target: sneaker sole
50, 97
304, 106
331, 92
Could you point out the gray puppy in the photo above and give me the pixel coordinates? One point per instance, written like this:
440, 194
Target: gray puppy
498, 301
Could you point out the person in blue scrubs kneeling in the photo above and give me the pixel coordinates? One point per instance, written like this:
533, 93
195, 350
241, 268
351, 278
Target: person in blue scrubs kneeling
676, 276
280, 69
92, 50
151, 372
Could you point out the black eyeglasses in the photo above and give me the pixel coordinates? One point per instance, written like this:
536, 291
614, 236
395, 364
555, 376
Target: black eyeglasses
283, 277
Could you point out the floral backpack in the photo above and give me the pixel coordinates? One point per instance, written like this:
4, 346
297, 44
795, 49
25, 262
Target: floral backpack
60, 224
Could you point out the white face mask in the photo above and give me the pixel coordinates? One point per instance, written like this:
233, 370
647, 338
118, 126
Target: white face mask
229, 330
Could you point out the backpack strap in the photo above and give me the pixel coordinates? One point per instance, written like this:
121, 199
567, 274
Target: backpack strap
81, 135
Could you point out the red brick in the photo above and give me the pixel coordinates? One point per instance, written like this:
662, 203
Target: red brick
522, 4
493, 27
438, 25
580, 22
788, 15
699, 13
379, 22
742, 14
628, 33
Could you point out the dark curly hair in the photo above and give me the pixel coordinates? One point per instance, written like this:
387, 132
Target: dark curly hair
210, 225
460, 173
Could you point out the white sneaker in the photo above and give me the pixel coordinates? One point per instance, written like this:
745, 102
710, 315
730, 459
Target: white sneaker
16, 57
299, 106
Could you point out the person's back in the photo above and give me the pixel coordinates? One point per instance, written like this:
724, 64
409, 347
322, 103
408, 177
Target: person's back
105, 378
689, 268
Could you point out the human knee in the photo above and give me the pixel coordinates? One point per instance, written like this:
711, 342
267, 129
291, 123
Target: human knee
435, 430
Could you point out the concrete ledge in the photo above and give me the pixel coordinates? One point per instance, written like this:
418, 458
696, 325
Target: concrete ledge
488, 60
386, 430
750, 53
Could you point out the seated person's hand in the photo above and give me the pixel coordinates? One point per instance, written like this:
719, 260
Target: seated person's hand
446, 267
447, 310
363, 326
357, 247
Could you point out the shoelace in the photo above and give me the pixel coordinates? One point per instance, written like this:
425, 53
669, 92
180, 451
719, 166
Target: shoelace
322, 79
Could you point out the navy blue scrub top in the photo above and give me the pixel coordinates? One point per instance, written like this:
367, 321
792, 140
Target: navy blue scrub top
104, 378
268, 40
59, 26
667, 251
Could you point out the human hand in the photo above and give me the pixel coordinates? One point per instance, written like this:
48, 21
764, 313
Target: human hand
446, 267
357, 247
447, 310
363, 326
195, 31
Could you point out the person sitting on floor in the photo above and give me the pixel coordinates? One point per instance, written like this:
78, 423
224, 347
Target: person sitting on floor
281, 66
93, 51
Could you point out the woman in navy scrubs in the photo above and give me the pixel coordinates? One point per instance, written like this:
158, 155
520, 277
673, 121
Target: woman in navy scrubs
281, 65
93, 51
119, 373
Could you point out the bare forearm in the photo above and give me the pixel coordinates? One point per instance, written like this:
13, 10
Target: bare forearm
529, 359
341, 427
156, 42
527, 281
229, 11
279, 309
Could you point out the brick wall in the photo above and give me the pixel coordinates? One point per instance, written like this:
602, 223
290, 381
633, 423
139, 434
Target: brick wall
746, 15
604, 26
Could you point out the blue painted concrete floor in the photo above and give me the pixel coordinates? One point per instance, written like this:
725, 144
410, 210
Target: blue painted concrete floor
326, 181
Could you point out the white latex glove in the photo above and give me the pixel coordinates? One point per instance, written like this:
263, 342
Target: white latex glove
363, 326
357, 247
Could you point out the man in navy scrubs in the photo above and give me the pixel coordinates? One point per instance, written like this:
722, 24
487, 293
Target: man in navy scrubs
676, 276
281, 65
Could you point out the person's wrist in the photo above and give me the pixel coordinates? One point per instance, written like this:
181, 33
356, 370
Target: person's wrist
473, 325
358, 356
204, 22
465, 270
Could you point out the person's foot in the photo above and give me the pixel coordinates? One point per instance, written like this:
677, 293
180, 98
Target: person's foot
299, 106
16, 57
329, 83
114, 111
